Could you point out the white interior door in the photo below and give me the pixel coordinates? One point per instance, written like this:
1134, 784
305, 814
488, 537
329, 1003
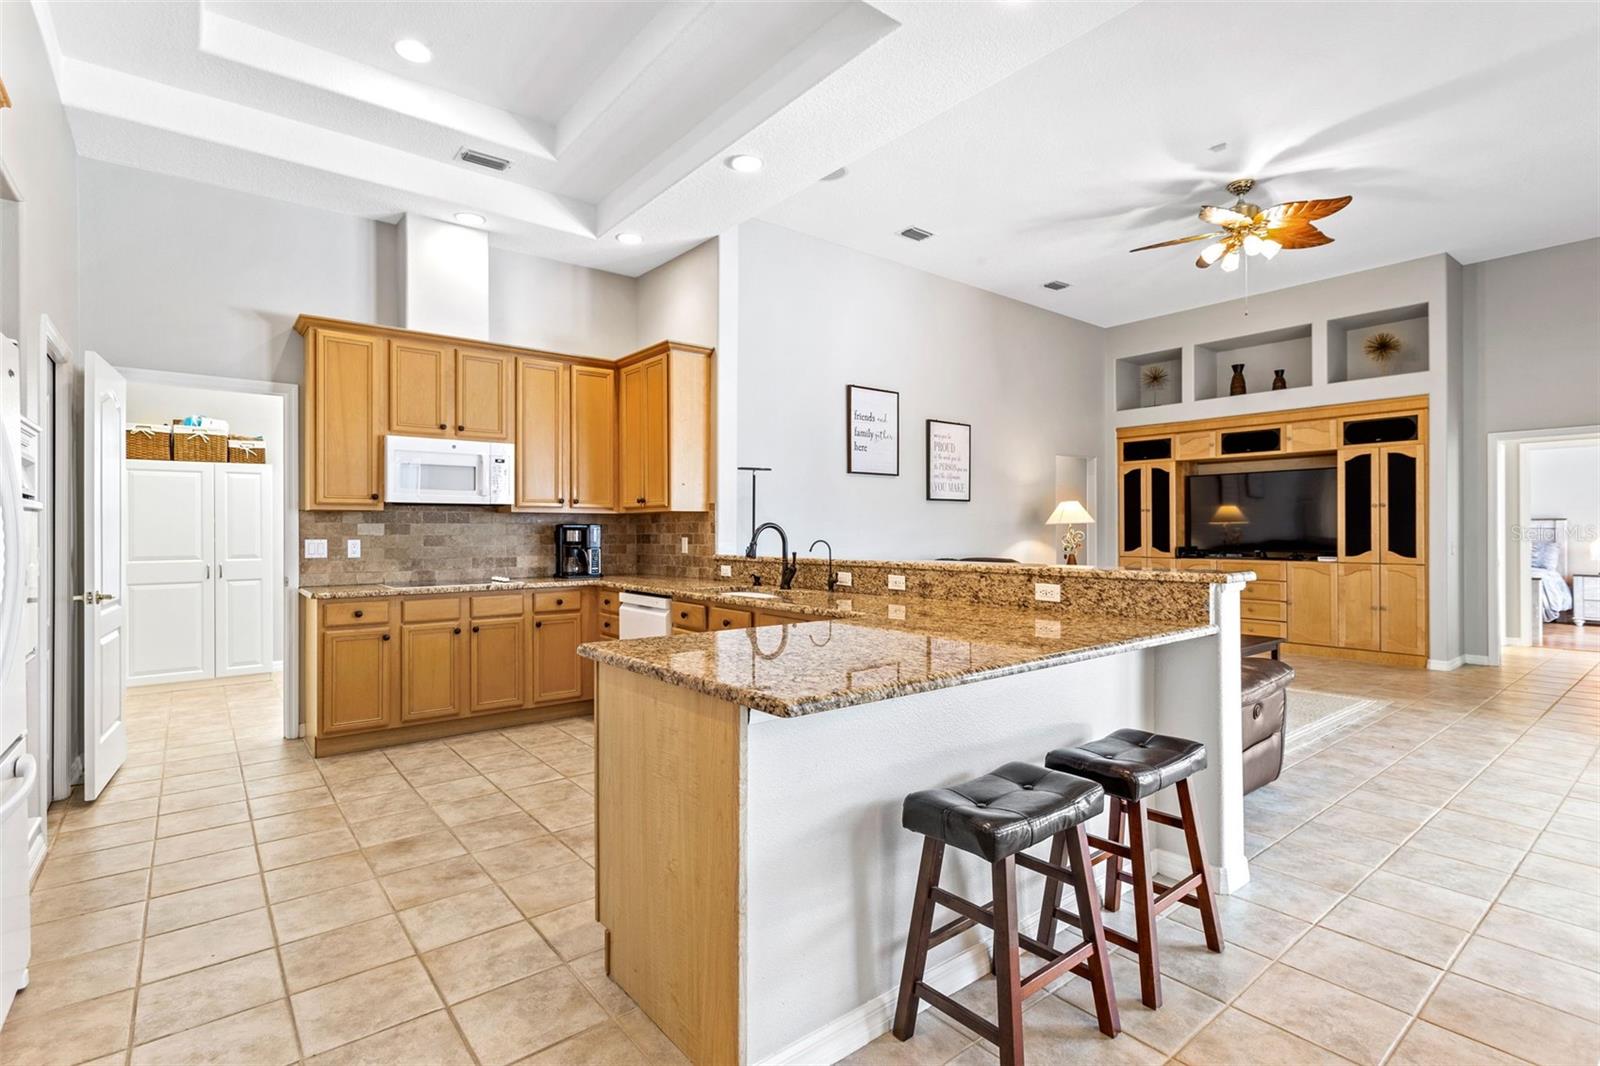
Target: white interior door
105, 672
171, 558
244, 553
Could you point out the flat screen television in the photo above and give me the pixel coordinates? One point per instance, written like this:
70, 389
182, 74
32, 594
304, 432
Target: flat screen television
1275, 511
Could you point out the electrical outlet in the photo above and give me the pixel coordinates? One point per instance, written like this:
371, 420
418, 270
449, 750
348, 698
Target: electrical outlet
316, 548
897, 612
725, 570
845, 605
897, 582
844, 579
1047, 629
683, 545
1045, 592
352, 548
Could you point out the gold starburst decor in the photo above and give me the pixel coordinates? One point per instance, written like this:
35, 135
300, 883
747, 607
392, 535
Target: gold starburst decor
1155, 377
1382, 348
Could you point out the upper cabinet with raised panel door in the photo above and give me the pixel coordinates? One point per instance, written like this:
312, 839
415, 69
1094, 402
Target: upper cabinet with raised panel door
1148, 525
1381, 503
344, 421
664, 431
591, 436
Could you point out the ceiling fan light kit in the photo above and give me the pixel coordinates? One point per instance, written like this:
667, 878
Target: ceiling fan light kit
1249, 230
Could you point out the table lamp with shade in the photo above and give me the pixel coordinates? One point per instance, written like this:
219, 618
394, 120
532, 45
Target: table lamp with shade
1230, 518
1071, 513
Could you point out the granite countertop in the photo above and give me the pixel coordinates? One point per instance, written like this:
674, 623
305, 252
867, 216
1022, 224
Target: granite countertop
802, 668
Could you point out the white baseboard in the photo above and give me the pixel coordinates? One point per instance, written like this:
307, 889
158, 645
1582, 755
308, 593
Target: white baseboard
1446, 664
1476, 660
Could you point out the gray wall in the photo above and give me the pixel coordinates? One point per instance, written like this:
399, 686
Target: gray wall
539, 303
678, 299
1531, 354
814, 317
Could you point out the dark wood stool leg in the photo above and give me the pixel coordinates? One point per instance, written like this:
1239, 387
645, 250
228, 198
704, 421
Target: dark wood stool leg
1114, 864
1105, 992
1052, 894
1144, 902
905, 1015
1197, 859
1007, 963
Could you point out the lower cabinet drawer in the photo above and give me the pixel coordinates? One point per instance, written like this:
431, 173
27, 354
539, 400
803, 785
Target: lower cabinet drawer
688, 616
545, 602
1253, 628
723, 618
497, 605
355, 613
1266, 590
608, 627
447, 609
1264, 610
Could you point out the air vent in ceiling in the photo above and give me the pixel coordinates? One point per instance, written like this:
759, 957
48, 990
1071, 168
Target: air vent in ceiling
915, 234
483, 159
1055, 286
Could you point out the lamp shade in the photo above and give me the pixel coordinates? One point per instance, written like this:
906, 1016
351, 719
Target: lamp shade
1228, 514
1069, 513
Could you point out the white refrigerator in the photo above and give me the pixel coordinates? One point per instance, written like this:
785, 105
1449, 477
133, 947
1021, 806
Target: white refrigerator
18, 769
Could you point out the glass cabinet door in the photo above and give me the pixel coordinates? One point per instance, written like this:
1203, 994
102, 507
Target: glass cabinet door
1162, 508
1132, 535
1401, 507
1358, 504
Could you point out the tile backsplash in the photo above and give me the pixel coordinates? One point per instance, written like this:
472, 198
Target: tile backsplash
419, 543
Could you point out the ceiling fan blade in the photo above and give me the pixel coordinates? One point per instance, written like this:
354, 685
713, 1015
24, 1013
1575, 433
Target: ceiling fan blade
1221, 216
1299, 235
1200, 262
1302, 211
1180, 240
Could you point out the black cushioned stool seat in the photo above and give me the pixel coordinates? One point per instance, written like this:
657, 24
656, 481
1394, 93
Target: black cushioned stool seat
1003, 812
1131, 763
996, 817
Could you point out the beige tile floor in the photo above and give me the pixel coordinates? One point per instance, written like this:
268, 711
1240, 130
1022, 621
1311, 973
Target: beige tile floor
1426, 889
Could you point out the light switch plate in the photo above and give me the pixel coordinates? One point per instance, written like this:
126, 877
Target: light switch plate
897, 582
316, 548
1045, 592
845, 579
352, 548
725, 570
897, 612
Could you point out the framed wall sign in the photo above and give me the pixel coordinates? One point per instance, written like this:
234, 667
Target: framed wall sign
872, 421
949, 461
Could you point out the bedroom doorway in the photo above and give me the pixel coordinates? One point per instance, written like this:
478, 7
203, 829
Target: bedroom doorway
1544, 579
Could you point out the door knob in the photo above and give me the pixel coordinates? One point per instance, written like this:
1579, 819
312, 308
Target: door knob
456, 631
474, 629
538, 625
386, 636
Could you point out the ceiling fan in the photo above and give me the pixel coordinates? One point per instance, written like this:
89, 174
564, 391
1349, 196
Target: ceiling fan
1247, 228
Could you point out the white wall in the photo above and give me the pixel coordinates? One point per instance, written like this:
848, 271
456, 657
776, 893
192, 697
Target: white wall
444, 277
1563, 481
247, 415
678, 299
1531, 355
814, 317
539, 303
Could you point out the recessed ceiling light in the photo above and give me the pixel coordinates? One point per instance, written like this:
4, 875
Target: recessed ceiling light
629, 238
470, 218
413, 50
744, 164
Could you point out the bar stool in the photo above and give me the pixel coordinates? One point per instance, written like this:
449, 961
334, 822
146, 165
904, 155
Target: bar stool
995, 817
1133, 765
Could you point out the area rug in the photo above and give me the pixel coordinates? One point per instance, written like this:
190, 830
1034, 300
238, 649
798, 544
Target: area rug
1314, 716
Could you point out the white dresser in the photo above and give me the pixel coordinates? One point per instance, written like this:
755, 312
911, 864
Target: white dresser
1585, 598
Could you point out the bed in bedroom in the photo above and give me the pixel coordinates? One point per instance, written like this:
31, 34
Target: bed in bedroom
1549, 566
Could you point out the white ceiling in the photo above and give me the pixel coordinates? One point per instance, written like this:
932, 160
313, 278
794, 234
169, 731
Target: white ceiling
1472, 129
616, 116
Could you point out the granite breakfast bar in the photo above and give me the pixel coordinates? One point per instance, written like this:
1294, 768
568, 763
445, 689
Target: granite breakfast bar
752, 875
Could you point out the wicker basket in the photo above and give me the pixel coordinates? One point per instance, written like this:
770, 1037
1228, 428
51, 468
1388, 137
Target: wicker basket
149, 442
192, 445
247, 450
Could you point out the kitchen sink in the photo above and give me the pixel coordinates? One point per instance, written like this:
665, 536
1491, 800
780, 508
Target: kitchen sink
752, 595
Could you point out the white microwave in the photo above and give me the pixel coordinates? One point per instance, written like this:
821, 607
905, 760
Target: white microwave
438, 470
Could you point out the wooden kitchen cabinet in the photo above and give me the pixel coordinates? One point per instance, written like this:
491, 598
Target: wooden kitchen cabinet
345, 404
356, 667
1403, 618
1357, 600
484, 383
593, 440
1148, 520
556, 672
1313, 603
421, 388
541, 432
499, 662
433, 667
1401, 505
664, 437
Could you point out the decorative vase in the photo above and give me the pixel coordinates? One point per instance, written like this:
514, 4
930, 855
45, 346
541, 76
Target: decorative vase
1277, 381
1236, 387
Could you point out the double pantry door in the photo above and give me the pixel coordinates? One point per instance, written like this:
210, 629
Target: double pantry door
200, 550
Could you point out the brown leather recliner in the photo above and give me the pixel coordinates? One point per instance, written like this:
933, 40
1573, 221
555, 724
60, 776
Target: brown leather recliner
1264, 686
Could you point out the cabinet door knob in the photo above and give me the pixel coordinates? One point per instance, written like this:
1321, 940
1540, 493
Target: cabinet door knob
361, 614
374, 495
559, 601
726, 622
443, 426
683, 614
560, 500
574, 501
538, 625
456, 631
386, 636
461, 429
474, 629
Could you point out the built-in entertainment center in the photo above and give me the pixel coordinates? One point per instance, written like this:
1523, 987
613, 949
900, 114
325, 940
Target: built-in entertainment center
1327, 505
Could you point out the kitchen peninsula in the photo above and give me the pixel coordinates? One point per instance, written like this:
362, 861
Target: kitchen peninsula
753, 877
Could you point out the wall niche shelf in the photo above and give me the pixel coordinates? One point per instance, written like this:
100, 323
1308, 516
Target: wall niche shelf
1287, 349
1131, 391
1347, 338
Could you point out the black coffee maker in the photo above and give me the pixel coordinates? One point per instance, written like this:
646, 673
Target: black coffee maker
577, 551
